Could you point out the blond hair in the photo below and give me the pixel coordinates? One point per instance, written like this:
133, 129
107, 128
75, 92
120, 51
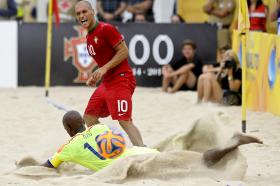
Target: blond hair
230, 54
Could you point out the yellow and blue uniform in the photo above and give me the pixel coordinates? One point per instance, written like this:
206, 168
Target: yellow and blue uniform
82, 149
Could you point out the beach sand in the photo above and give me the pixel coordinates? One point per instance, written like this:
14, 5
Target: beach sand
31, 127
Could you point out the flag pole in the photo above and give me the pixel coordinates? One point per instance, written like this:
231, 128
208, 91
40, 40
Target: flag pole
48, 49
244, 81
243, 28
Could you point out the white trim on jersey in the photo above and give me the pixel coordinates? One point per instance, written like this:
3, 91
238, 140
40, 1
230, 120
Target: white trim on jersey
257, 14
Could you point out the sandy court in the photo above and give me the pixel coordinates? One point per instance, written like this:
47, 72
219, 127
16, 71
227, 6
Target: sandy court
31, 126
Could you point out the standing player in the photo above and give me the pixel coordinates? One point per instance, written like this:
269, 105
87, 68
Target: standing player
113, 96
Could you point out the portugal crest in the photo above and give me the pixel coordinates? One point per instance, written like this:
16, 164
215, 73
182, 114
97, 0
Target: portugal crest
76, 48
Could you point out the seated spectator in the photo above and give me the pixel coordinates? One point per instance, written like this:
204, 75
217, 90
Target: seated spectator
258, 15
141, 6
217, 87
110, 10
221, 14
8, 9
183, 72
214, 68
275, 15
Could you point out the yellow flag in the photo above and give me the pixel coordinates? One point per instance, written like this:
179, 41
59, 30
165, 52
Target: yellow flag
243, 16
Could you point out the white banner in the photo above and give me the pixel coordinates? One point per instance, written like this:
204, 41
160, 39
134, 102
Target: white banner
8, 54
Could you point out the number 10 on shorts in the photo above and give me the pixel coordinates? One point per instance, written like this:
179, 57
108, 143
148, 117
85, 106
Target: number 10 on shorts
122, 106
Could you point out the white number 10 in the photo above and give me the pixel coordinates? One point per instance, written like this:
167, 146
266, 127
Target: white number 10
122, 106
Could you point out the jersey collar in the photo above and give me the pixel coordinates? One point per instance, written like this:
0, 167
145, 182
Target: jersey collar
94, 27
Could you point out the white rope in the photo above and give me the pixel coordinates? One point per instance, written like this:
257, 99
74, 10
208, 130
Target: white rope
57, 105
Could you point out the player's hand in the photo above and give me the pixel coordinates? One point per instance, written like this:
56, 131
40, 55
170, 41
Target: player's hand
98, 74
90, 82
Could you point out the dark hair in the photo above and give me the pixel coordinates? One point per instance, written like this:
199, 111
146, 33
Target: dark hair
259, 3
190, 43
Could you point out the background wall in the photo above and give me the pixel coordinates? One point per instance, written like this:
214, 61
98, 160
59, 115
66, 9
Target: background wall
8, 54
150, 47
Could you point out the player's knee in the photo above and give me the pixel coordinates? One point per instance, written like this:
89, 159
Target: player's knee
90, 120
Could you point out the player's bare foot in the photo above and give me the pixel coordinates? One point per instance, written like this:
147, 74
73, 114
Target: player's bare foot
245, 139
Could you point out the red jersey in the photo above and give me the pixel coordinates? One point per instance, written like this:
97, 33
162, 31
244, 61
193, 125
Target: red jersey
258, 19
100, 44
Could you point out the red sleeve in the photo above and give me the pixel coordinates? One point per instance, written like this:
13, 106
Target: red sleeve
112, 35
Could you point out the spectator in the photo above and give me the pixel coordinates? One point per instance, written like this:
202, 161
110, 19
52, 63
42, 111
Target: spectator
214, 68
140, 18
184, 71
258, 15
176, 18
217, 88
8, 9
221, 14
141, 6
275, 15
110, 10
26, 10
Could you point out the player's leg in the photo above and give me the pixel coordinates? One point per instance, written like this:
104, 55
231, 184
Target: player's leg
90, 120
119, 102
96, 107
132, 132
212, 156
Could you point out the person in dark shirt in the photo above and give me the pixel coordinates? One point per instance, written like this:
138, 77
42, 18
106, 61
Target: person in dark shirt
110, 10
215, 67
212, 87
8, 9
185, 71
141, 7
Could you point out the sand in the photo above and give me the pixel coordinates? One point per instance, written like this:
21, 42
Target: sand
31, 130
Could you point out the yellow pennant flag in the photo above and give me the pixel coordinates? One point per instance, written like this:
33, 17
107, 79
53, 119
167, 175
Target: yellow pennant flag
243, 16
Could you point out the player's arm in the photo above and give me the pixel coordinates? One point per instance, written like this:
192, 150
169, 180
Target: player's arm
61, 155
47, 164
121, 54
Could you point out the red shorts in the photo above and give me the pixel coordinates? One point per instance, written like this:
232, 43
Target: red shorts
113, 98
